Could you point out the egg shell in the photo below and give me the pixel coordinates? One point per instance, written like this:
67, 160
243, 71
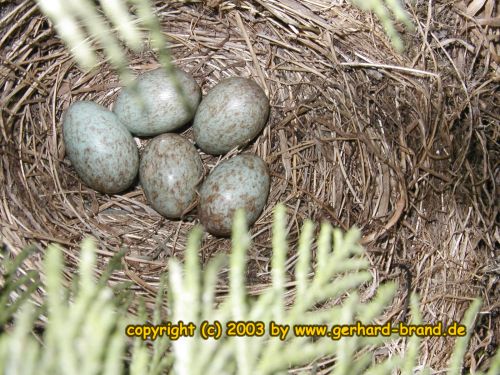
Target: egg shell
169, 172
232, 114
240, 182
156, 106
100, 148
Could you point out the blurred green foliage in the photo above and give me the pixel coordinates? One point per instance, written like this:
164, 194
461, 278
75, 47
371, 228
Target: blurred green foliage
114, 26
84, 326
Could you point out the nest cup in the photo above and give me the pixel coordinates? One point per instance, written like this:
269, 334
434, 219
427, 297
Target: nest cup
358, 135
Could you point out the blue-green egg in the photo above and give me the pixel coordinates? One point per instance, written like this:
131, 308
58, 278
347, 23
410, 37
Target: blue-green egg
170, 171
100, 148
156, 106
232, 114
240, 182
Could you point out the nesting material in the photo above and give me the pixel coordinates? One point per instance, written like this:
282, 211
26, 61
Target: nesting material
403, 146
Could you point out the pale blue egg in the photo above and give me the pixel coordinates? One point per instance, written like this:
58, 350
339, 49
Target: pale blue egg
170, 171
240, 182
100, 148
232, 114
156, 106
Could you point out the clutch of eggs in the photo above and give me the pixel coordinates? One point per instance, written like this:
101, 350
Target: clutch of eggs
100, 146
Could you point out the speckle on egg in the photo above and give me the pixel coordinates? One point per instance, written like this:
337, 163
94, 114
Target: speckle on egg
169, 172
232, 114
240, 182
100, 148
162, 108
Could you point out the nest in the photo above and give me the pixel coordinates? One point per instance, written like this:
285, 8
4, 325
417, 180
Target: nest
403, 146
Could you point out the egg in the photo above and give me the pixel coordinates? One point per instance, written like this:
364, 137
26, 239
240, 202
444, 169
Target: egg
232, 114
100, 148
170, 171
156, 106
240, 182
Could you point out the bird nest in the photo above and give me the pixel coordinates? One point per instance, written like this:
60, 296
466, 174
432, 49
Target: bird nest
403, 146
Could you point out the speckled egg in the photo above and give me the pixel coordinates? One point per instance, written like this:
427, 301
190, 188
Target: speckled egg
100, 148
156, 106
170, 171
240, 182
232, 114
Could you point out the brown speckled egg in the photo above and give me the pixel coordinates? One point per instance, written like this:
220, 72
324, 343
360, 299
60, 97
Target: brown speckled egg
169, 172
240, 182
100, 148
232, 114
163, 109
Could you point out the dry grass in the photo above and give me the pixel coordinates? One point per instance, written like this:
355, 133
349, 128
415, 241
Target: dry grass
403, 146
